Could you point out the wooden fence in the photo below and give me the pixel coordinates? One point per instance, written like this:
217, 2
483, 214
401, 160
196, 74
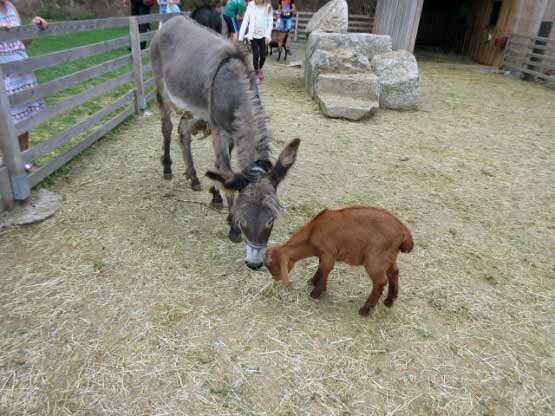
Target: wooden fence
532, 56
15, 183
357, 23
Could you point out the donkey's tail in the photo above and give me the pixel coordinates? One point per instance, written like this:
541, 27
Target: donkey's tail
408, 243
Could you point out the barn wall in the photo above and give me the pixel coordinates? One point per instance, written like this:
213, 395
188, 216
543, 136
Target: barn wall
480, 38
549, 15
400, 20
529, 17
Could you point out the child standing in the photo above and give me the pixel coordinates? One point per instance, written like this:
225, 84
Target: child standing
168, 6
258, 22
233, 11
15, 51
286, 10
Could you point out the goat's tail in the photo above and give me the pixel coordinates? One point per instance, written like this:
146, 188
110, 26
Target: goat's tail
408, 243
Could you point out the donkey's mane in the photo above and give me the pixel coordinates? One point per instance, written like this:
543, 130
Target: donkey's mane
249, 124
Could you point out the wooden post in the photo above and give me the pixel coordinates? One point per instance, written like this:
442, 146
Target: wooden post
135, 39
11, 153
5, 189
296, 26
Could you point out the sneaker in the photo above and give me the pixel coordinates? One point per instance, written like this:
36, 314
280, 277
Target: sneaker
31, 168
257, 80
261, 75
289, 51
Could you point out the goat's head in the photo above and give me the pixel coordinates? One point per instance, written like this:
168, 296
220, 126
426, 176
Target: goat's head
256, 206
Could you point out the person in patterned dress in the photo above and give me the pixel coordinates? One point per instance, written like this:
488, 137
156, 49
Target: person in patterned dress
14, 83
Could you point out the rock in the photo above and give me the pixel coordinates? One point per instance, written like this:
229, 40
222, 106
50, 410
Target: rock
40, 206
398, 77
332, 17
355, 109
359, 85
295, 64
350, 96
341, 53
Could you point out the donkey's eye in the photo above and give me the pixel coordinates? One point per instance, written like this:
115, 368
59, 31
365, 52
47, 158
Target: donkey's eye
270, 223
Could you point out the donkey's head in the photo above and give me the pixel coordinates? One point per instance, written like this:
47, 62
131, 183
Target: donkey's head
257, 207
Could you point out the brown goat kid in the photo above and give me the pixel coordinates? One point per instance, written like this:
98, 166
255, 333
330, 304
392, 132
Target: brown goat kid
359, 235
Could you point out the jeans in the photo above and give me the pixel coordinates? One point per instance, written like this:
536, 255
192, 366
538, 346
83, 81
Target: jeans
285, 24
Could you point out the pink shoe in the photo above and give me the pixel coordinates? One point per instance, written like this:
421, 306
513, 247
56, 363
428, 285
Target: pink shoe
257, 80
261, 75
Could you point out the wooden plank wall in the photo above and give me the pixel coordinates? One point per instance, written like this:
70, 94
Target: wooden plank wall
549, 14
480, 39
400, 20
529, 17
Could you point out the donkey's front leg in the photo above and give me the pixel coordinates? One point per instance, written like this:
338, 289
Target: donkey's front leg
185, 126
223, 146
234, 230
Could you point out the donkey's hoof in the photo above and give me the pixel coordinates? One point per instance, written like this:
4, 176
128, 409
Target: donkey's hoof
364, 311
195, 184
168, 176
235, 236
388, 302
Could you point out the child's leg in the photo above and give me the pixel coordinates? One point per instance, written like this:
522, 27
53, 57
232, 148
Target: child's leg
255, 55
289, 37
24, 145
24, 141
262, 51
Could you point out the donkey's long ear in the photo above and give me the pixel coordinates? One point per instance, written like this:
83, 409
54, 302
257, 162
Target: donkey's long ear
232, 181
284, 162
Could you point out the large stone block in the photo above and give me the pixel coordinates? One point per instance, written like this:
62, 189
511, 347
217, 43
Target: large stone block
341, 53
362, 85
398, 77
335, 106
332, 17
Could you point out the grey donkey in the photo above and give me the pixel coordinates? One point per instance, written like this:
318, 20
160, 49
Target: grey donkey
206, 79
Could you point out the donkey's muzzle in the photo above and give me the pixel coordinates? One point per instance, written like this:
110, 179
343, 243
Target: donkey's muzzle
255, 256
253, 266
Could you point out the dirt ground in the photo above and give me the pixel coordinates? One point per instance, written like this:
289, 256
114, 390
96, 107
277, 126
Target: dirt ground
131, 300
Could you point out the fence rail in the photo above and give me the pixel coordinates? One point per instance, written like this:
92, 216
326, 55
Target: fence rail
532, 56
15, 184
357, 23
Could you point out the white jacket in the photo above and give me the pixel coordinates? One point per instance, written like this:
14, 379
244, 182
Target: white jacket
248, 21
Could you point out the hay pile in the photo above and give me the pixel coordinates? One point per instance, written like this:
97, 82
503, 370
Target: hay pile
132, 302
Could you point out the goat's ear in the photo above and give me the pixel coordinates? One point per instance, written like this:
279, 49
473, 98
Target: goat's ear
285, 161
232, 181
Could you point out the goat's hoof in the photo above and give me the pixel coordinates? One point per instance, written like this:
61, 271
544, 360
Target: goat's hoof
195, 184
388, 302
235, 236
217, 204
364, 311
168, 176
315, 294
